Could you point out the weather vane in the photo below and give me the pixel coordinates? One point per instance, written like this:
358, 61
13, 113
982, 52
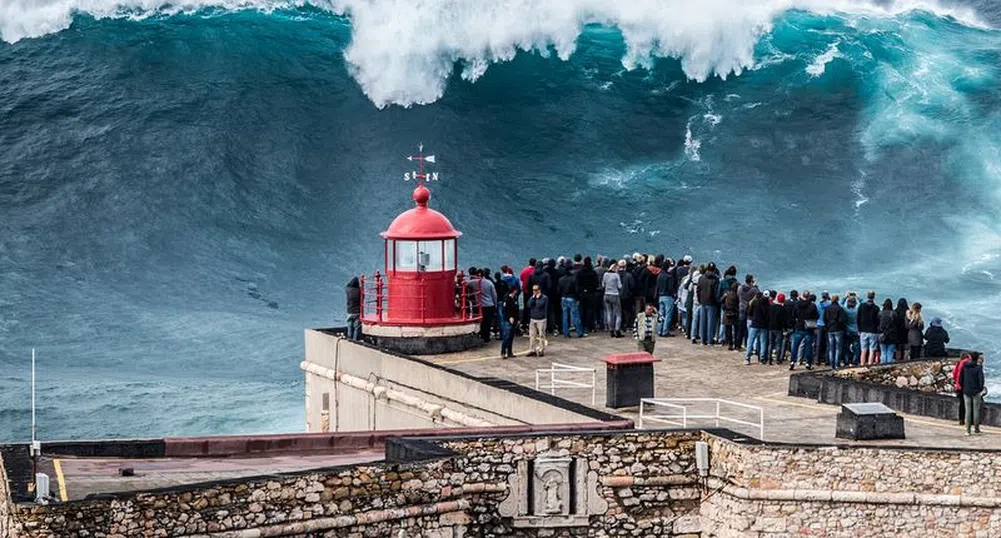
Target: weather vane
420, 175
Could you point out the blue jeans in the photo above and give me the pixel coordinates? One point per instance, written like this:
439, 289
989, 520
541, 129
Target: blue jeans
757, 342
666, 310
776, 342
707, 319
507, 337
696, 322
571, 314
684, 318
886, 353
835, 343
354, 327
804, 337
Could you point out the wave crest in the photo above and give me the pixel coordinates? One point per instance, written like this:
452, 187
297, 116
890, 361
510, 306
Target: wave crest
404, 52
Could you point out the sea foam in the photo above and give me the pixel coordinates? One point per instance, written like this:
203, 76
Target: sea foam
403, 52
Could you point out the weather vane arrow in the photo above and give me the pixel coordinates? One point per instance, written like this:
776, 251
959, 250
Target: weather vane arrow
419, 174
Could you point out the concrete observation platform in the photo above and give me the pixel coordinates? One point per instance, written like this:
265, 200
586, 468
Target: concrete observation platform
694, 371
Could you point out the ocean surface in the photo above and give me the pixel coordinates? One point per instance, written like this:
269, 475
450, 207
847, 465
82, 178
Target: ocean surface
185, 187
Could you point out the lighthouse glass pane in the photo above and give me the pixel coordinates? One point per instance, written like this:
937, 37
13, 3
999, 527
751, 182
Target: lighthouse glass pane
429, 256
406, 255
449, 245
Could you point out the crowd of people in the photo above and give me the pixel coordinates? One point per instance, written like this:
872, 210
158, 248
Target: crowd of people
655, 296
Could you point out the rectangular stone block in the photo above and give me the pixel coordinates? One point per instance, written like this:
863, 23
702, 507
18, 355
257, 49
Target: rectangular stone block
866, 421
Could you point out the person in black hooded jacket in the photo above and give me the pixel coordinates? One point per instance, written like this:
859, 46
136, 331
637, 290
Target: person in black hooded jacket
887, 333
353, 294
588, 294
971, 379
936, 337
707, 291
805, 317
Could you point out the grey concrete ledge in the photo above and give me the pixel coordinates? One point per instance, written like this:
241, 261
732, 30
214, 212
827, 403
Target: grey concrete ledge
852, 497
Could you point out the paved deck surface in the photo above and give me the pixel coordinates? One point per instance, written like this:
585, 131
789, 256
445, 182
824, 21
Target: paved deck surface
75, 478
691, 371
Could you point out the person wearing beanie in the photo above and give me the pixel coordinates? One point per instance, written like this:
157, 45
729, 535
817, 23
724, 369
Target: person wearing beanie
936, 337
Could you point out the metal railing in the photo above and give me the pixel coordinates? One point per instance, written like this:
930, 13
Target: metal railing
564, 369
375, 305
676, 404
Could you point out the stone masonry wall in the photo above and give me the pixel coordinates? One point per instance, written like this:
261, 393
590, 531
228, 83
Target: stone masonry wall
7, 522
647, 480
774, 491
929, 375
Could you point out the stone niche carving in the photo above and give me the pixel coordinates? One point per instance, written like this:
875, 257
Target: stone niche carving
552, 491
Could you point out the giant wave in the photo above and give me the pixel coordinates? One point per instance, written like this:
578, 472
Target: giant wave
402, 54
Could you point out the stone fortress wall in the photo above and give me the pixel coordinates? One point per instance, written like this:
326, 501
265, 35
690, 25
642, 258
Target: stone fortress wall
629, 483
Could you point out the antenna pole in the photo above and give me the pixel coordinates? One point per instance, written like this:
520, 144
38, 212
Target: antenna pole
32, 397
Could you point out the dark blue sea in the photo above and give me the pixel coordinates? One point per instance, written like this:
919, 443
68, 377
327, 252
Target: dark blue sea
185, 187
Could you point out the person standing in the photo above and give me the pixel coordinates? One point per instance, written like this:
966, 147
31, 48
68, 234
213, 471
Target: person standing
747, 291
835, 324
627, 290
868, 327
645, 329
757, 336
825, 299
887, 332
708, 294
509, 319
570, 303
525, 276
956, 371
778, 323
612, 283
806, 328
587, 284
353, 294
915, 331
483, 288
731, 313
667, 288
851, 330
900, 321
538, 312
936, 337
971, 379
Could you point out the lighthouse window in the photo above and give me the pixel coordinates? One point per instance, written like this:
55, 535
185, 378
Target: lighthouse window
406, 255
429, 256
448, 246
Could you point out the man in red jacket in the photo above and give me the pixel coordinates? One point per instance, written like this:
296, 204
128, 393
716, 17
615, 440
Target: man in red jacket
959, 389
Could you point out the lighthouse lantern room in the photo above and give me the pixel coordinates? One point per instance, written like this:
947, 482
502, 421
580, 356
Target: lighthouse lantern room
420, 303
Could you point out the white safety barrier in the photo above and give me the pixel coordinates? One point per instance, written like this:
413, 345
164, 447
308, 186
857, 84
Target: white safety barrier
672, 411
557, 369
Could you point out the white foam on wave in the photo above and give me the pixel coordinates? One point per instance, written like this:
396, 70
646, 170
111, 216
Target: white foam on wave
819, 65
403, 52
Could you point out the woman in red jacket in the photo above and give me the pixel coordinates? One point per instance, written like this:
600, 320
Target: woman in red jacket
959, 390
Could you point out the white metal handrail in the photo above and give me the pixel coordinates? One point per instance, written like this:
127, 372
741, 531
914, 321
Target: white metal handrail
676, 403
554, 382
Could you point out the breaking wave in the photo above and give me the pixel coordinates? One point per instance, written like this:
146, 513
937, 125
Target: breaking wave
405, 54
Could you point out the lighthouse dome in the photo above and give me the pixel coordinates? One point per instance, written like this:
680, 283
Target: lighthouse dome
421, 222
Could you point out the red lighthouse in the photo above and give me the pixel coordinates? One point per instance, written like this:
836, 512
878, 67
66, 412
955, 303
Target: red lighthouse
420, 303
